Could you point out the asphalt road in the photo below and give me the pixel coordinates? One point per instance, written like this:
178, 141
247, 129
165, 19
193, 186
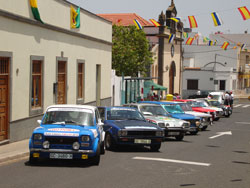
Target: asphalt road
213, 158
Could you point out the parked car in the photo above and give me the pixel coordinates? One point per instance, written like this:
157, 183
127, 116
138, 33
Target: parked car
203, 94
227, 110
176, 111
206, 119
217, 95
156, 114
127, 126
68, 132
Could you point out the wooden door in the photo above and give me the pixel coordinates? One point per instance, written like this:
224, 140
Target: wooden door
4, 96
61, 79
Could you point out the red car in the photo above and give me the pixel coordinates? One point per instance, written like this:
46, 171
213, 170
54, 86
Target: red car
198, 108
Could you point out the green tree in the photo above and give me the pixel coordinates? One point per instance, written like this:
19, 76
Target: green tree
130, 51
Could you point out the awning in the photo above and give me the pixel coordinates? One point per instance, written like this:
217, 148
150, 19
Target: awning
150, 85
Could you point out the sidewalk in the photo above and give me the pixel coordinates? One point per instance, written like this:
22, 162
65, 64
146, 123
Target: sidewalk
14, 150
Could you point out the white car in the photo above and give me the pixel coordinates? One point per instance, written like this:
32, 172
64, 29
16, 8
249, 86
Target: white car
218, 95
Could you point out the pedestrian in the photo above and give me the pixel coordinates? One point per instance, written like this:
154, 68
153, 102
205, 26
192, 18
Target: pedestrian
231, 99
226, 99
210, 96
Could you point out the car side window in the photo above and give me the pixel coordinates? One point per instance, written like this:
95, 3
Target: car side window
97, 116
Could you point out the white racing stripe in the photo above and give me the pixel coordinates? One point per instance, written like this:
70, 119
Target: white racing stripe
245, 123
171, 161
246, 106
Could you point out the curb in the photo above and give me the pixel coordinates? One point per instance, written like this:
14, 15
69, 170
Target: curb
10, 158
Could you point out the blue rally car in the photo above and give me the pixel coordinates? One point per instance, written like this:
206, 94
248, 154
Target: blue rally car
127, 126
68, 132
175, 110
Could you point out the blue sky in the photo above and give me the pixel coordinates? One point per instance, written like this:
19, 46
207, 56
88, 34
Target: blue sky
201, 9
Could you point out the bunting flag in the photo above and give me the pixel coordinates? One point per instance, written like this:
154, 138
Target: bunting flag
176, 19
225, 45
119, 21
210, 43
189, 41
74, 17
205, 39
156, 24
35, 12
216, 19
215, 42
192, 22
171, 38
185, 35
137, 24
235, 47
244, 12
243, 46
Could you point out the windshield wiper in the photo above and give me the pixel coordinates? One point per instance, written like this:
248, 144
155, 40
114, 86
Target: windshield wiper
71, 121
135, 119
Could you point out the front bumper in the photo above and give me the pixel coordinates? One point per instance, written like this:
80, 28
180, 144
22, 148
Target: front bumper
173, 132
144, 141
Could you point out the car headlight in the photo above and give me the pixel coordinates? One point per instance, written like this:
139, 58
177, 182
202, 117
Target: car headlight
76, 146
85, 138
46, 144
185, 125
197, 123
122, 133
159, 133
38, 136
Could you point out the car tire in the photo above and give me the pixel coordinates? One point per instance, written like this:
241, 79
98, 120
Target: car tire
179, 138
194, 132
155, 147
97, 157
102, 148
32, 160
109, 142
204, 128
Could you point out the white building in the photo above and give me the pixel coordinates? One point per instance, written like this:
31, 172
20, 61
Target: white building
50, 63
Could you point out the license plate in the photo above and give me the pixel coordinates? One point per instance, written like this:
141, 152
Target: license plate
142, 141
60, 156
173, 133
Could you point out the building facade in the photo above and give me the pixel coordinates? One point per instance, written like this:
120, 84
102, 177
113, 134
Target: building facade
49, 63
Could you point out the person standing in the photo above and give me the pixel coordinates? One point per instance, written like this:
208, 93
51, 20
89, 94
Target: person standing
226, 100
231, 99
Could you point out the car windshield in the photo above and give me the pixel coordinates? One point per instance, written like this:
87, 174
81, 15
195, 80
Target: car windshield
173, 108
124, 114
214, 103
155, 110
185, 107
216, 97
69, 116
199, 104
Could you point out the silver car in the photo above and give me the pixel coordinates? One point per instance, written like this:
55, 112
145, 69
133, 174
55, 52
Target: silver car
156, 114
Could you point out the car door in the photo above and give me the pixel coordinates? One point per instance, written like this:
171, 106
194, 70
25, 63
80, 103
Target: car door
103, 116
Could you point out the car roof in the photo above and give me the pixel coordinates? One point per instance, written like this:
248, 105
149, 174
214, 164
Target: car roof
72, 106
142, 104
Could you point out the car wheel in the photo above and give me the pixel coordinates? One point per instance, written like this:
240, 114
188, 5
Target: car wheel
32, 160
155, 147
102, 148
96, 158
204, 128
194, 132
179, 138
109, 142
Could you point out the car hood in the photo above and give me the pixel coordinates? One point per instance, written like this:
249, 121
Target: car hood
198, 114
173, 122
214, 108
183, 116
63, 130
134, 124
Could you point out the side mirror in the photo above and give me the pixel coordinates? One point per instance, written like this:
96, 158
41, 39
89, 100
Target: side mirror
39, 121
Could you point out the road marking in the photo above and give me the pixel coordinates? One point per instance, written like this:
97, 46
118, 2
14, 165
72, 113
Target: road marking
246, 106
237, 105
246, 123
171, 161
221, 134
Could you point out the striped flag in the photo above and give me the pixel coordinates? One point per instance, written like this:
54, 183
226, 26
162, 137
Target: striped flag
189, 41
171, 38
176, 19
74, 17
243, 46
216, 19
192, 22
210, 43
205, 39
156, 24
225, 45
244, 12
35, 12
185, 35
215, 42
137, 24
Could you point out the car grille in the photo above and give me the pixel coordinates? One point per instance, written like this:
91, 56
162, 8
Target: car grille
61, 142
191, 121
141, 133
